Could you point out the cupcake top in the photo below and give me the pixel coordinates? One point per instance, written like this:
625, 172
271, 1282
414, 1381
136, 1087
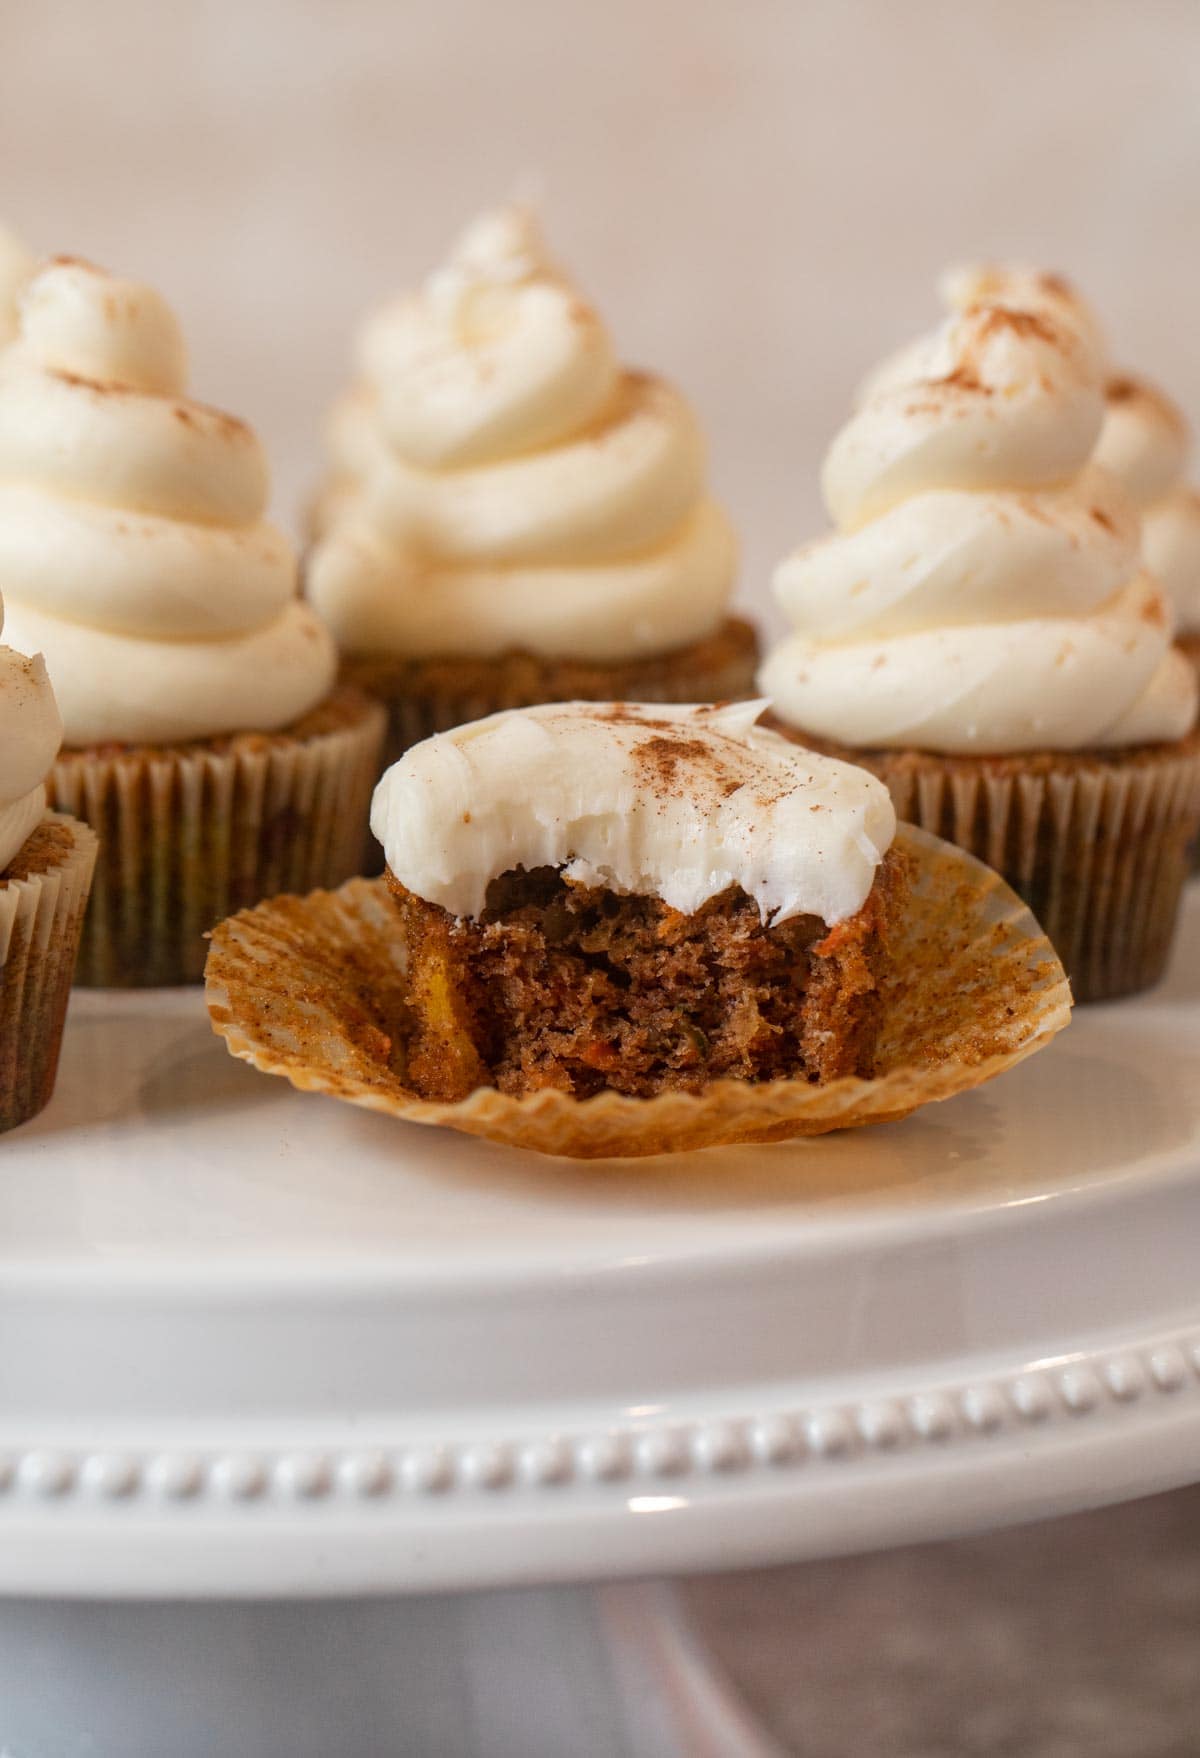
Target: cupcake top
500, 482
133, 548
16, 265
1146, 442
982, 592
30, 735
672, 802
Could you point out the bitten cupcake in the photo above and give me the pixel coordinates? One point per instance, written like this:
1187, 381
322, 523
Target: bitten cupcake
204, 740
980, 632
46, 863
513, 517
624, 928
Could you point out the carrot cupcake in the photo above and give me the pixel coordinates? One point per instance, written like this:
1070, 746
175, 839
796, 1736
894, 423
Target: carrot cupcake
512, 517
635, 899
46, 863
204, 739
980, 632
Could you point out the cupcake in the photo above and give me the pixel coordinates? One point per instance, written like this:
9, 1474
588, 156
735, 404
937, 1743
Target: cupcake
511, 516
46, 863
980, 632
205, 741
613, 928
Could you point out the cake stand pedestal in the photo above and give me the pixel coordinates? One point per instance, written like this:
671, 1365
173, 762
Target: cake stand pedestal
262, 1346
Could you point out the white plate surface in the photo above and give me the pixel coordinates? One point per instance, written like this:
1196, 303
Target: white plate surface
257, 1342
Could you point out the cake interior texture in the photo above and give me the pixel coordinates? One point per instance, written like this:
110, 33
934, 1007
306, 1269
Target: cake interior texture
563, 985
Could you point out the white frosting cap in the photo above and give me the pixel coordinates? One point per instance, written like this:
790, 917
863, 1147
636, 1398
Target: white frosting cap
499, 482
982, 592
133, 547
672, 802
30, 735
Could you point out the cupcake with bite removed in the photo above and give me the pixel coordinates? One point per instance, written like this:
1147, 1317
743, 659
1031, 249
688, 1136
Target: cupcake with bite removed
513, 517
629, 929
981, 632
46, 864
204, 739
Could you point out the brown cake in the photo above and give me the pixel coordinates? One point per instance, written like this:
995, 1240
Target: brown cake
560, 984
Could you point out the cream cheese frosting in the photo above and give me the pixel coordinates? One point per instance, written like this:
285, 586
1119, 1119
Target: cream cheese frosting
1146, 443
983, 590
672, 802
500, 482
30, 735
134, 552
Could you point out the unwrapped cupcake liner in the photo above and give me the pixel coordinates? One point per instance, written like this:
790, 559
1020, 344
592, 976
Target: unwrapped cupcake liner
42, 907
1098, 849
313, 989
192, 833
420, 703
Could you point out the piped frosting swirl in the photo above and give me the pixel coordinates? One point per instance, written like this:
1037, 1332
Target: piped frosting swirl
673, 802
30, 735
500, 483
983, 590
133, 548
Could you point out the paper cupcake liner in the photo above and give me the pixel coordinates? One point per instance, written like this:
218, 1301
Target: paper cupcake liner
975, 988
1096, 846
42, 906
424, 697
189, 834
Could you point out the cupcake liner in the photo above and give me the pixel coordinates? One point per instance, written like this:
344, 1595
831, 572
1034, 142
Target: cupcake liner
1097, 846
42, 904
424, 697
975, 988
190, 833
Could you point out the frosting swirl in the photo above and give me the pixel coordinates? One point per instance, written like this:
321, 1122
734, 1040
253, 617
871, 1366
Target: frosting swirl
982, 592
671, 802
30, 734
499, 482
133, 548
1146, 443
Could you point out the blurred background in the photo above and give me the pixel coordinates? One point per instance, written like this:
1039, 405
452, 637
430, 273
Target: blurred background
758, 194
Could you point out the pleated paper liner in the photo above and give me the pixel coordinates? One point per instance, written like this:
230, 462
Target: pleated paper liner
427, 696
191, 833
1096, 844
311, 988
43, 896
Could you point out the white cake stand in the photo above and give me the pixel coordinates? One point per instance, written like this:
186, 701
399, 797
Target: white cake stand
258, 1344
